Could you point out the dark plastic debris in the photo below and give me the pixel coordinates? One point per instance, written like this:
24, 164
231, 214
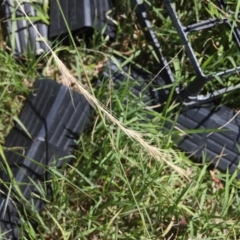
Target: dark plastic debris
54, 117
201, 79
21, 35
221, 148
93, 14
141, 9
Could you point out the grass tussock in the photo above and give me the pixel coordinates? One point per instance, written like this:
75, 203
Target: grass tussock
127, 181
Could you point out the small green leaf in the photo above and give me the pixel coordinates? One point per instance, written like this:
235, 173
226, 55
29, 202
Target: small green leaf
18, 121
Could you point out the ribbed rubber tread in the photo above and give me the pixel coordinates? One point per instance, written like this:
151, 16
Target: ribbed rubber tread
54, 117
81, 14
221, 148
28, 166
52, 114
21, 35
31, 158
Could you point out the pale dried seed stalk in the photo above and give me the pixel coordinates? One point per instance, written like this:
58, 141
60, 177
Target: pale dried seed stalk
159, 155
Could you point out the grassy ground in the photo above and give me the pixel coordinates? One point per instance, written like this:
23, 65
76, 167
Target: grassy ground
114, 189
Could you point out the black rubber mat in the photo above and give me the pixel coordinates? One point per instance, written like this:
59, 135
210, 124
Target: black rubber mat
21, 36
54, 116
93, 14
